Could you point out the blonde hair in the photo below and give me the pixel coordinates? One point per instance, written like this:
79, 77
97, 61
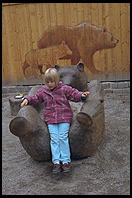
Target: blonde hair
51, 74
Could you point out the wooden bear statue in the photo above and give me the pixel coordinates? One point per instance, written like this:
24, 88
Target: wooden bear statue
86, 131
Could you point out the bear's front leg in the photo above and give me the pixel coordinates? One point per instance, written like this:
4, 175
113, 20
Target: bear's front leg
88, 62
24, 67
40, 67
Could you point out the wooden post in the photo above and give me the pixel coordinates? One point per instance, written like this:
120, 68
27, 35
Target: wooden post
14, 105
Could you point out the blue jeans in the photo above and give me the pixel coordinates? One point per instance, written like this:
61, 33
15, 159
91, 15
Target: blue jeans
59, 142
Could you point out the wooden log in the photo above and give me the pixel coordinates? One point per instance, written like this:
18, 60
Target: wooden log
14, 105
32, 132
88, 127
94, 105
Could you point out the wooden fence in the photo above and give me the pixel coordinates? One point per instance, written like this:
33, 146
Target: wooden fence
24, 23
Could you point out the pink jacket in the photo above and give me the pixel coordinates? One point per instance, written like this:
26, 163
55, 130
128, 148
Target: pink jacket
56, 106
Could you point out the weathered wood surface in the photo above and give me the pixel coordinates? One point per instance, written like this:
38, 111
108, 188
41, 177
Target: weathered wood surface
23, 24
14, 105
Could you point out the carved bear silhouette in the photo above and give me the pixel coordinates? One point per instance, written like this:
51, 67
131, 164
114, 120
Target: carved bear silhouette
86, 130
47, 56
83, 39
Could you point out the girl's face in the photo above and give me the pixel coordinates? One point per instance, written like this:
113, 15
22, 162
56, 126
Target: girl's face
51, 84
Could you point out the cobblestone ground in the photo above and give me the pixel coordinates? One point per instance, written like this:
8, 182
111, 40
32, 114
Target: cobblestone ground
107, 172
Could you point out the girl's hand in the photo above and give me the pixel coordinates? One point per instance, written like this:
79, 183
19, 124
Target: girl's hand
85, 93
25, 102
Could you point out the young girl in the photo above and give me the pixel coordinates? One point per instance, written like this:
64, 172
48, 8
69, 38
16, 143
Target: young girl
57, 114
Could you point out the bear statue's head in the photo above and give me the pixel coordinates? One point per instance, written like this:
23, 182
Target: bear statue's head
73, 75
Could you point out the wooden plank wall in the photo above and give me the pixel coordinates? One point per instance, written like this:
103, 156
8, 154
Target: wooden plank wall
24, 23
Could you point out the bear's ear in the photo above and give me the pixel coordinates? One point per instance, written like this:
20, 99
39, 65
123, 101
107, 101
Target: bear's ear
57, 67
80, 67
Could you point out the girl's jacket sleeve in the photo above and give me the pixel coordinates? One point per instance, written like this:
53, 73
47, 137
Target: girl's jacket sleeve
37, 98
73, 94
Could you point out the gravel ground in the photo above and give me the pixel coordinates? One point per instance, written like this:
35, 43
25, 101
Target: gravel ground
107, 172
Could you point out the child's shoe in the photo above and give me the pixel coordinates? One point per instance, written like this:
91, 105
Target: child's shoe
66, 167
56, 168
